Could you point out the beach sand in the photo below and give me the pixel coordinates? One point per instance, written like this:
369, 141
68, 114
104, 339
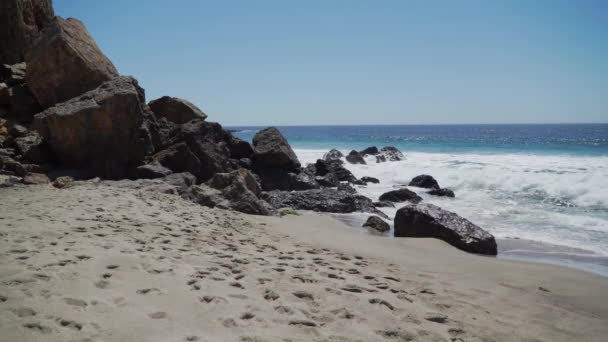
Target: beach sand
99, 263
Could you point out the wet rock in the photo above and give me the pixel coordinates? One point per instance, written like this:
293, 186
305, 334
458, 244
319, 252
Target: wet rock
103, 130
377, 224
381, 158
424, 181
370, 180
65, 62
400, 195
355, 157
347, 188
430, 221
392, 153
372, 150
176, 110
384, 204
442, 192
321, 200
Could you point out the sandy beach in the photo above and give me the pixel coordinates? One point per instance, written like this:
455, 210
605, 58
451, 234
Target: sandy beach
101, 263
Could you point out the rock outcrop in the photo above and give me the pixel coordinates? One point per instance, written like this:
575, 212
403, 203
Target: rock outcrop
102, 130
377, 224
430, 221
442, 192
424, 181
333, 154
65, 62
176, 110
321, 200
372, 150
272, 151
400, 195
390, 153
20, 24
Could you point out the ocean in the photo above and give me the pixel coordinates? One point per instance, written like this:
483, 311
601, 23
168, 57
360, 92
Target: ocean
542, 190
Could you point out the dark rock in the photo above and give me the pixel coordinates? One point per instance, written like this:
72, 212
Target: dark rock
370, 180
17, 131
442, 192
20, 24
359, 182
425, 181
152, 171
328, 180
335, 167
5, 95
333, 155
33, 148
13, 74
103, 130
400, 195
176, 110
355, 157
241, 190
381, 158
347, 188
384, 204
239, 149
277, 179
23, 169
322, 200
245, 163
428, 220
22, 103
392, 153
372, 150
377, 223
209, 197
35, 178
271, 150
178, 158
65, 62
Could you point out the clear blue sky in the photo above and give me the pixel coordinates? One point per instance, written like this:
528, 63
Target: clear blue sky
362, 62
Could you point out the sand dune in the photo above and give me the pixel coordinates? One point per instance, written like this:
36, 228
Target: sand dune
98, 263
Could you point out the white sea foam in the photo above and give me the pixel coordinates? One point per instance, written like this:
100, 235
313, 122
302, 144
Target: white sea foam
558, 199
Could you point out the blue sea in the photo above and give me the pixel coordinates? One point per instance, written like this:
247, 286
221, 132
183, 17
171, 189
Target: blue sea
542, 190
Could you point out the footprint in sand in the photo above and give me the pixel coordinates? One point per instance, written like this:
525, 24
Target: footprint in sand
38, 327
158, 315
75, 302
23, 312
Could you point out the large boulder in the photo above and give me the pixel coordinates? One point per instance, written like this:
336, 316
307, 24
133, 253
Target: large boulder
424, 181
20, 24
390, 153
355, 157
442, 193
65, 62
400, 195
103, 130
176, 110
376, 223
430, 221
271, 150
372, 150
321, 200
335, 168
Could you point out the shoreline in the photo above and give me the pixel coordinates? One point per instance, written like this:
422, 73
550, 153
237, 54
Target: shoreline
107, 263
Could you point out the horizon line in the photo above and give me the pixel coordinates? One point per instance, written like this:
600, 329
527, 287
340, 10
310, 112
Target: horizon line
425, 124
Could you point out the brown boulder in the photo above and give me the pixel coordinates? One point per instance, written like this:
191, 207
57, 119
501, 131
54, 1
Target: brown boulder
176, 110
65, 62
103, 130
20, 24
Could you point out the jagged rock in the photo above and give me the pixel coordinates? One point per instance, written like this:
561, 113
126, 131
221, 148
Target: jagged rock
335, 167
272, 151
370, 180
20, 24
392, 153
428, 220
400, 195
152, 171
103, 130
442, 192
182, 181
372, 150
209, 197
377, 223
35, 178
32, 148
355, 157
241, 191
277, 179
333, 155
176, 110
17, 131
347, 188
322, 200
245, 163
425, 181
384, 204
65, 62
381, 158
63, 182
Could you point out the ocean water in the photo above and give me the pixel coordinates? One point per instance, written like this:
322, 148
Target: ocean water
542, 190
